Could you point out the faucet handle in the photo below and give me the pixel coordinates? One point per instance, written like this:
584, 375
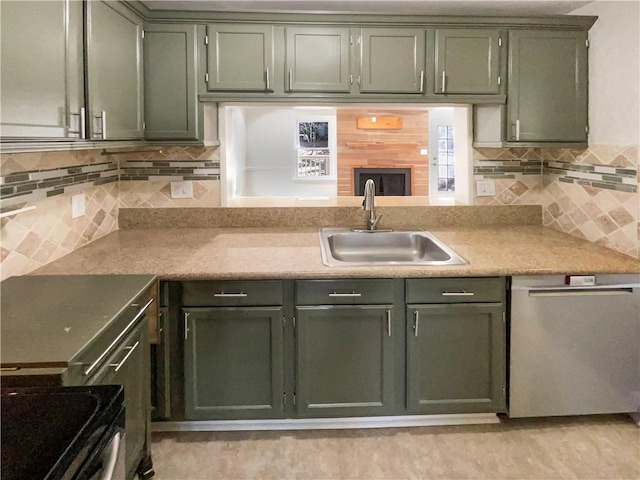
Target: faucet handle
374, 224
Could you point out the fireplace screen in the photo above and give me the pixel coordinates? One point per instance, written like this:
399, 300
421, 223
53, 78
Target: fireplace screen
394, 182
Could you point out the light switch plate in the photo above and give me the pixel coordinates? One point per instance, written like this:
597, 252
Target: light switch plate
182, 189
77, 205
486, 188
424, 151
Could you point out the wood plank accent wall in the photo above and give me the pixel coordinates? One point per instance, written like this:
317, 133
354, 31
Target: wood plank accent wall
402, 151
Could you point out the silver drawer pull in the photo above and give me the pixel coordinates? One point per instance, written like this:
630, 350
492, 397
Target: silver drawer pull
351, 294
458, 294
223, 294
119, 365
122, 334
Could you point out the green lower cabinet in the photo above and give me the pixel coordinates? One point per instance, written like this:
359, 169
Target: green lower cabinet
344, 361
456, 358
233, 363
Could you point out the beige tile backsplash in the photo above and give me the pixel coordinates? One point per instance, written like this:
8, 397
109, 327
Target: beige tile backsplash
29, 240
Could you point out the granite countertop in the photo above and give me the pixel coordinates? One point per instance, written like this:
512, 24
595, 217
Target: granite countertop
258, 253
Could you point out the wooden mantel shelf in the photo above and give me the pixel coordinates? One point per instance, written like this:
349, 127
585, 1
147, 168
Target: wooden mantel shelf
382, 145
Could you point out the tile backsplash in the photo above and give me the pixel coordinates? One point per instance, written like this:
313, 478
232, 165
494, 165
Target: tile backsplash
590, 193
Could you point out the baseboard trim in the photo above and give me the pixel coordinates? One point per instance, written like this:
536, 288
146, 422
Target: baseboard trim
325, 423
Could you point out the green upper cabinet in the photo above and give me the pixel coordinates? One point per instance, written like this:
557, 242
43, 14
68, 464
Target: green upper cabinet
114, 71
317, 59
547, 92
467, 61
240, 57
233, 362
344, 360
42, 69
392, 60
456, 358
170, 84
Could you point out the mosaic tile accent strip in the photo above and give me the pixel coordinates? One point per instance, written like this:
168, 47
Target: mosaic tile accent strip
34, 185
506, 169
169, 170
33, 239
601, 176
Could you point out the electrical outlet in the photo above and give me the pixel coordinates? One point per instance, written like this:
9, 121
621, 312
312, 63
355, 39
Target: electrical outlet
424, 151
485, 188
77, 205
182, 189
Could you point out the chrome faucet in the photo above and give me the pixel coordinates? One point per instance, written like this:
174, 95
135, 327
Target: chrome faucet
369, 205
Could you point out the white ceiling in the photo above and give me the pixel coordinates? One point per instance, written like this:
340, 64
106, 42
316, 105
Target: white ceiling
398, 7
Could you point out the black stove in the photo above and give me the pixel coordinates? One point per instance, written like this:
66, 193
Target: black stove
60, 432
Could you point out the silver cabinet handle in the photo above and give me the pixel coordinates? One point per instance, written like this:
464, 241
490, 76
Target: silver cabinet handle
119, 365
160, 326
81, 131
290, 79
352, 294
416, 322
83, 126
186, 325
389, 322
517, 130
267, 82
103, 125
444, 82
421, 81
458, 294
223, 294
122, 334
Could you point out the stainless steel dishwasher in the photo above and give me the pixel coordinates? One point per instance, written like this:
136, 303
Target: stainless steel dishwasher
575, 349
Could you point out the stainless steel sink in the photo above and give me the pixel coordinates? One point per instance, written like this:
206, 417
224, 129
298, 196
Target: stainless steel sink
345, 247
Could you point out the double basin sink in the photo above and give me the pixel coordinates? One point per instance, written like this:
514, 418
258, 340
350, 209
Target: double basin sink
346, 247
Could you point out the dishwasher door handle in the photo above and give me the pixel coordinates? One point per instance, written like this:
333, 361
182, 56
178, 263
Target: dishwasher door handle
580, 292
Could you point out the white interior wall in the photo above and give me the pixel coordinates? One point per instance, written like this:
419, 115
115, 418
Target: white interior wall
232, 130
614, 72
271, 153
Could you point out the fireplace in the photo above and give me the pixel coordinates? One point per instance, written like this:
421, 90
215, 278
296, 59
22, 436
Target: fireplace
395, 182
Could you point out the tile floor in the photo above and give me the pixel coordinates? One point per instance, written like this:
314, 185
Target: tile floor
598, 447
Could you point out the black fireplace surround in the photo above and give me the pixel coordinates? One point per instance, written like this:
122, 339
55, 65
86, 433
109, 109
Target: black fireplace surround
390, 182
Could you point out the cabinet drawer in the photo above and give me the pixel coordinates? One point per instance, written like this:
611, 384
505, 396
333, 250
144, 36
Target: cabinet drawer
344, 292
231, 293
455, 290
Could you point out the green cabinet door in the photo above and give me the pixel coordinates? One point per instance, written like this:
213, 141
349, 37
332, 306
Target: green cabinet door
317, 59
42, 70
239, 57
344, 360
455, 358
170, 84
233, 363
392, 60
114, 71
547, 92
467, 61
